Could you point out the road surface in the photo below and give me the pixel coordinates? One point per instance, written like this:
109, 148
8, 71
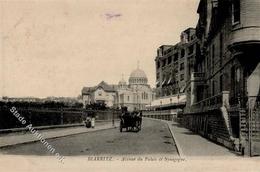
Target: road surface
154, 139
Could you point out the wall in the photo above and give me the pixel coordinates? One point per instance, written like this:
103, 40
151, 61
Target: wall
210, 125
49, 117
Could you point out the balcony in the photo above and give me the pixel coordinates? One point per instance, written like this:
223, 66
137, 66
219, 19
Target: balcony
211, 103
247, 30
245, 36
198, 78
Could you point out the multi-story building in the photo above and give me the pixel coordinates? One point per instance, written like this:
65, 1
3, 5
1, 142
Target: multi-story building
174, 64
226, 84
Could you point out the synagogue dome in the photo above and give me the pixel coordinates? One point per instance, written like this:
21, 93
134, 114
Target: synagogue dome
138, 76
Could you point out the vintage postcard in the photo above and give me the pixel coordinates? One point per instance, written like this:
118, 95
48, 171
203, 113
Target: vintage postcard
130, 85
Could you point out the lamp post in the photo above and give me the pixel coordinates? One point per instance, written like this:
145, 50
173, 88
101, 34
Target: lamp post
113, 118
160, 108
178, 97
138, 99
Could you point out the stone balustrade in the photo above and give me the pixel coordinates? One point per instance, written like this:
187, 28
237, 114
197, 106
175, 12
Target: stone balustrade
211, 103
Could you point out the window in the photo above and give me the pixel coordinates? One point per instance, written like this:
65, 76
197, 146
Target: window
235, 84
100, 93
169, 59
158, 64
213, 57
236, 11
164, 62
191, 49
158, 76
176, 57
128, 98
169, 51
182, 66
220, 49
182, 77
182, 53
213, 88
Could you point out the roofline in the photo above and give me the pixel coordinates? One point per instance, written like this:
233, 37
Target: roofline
199, 6
165, 46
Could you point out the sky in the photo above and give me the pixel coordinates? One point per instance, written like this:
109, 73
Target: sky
56, 47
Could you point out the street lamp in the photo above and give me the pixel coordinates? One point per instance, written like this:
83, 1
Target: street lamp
160, 108
178, 97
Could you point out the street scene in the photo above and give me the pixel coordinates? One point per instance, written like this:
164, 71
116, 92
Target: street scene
154, 139
135, 79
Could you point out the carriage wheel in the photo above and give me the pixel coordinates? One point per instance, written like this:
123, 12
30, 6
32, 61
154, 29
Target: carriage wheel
121, 127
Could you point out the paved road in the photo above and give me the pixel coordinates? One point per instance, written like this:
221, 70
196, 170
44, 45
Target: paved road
154, 138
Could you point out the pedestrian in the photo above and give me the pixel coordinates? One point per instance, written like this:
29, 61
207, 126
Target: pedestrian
88, 122
93, 120
242, 145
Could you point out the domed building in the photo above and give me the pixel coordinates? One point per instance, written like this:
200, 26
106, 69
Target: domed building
137, 94
138, 77
122, 84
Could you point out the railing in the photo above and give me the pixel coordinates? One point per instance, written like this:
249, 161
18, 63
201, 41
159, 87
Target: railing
52, 116
162, 115
197, 76
254, 125
211, 103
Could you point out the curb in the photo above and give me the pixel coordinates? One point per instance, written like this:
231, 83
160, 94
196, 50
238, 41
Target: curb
179, 150
54, 137
13, 130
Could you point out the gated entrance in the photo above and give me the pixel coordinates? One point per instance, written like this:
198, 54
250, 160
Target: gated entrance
253, 89
254, 126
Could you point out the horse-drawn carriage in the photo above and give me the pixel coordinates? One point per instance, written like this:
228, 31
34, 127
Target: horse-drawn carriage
130, 121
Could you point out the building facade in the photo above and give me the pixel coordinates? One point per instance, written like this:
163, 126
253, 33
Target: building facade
174, 65
215, 71
135, 95
227, 74
102, 93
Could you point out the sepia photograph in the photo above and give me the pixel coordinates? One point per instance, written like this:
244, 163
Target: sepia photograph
130, 85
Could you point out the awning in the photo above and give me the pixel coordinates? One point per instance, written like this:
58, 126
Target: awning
173, 100
169, 81
164, 82
182, 89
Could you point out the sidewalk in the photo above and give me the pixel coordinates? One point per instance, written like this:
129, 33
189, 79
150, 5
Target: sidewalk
191, 145
14, 139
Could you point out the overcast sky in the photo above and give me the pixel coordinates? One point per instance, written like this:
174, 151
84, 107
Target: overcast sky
55, 47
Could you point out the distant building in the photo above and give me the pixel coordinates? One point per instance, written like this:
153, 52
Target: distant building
135, 95
102, 93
